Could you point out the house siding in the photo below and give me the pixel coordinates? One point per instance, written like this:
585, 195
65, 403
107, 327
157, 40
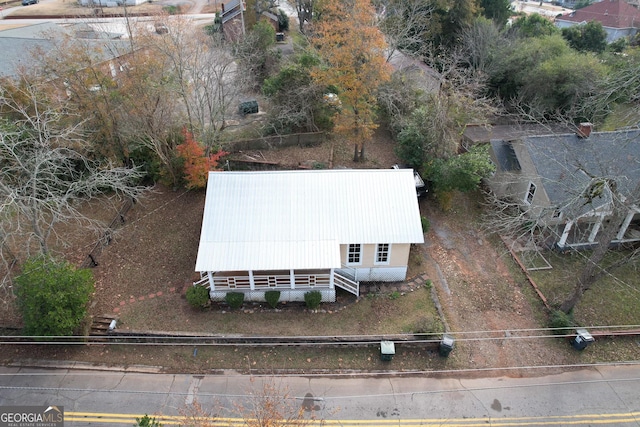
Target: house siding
368, 270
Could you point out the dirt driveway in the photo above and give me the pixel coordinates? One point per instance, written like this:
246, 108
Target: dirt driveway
480, 289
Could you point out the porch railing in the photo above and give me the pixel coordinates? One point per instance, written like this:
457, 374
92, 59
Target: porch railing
266, 282
347, 284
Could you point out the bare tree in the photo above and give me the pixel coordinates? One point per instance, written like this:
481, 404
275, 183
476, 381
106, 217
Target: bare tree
595, 200
47, 171
204, 75
406, 25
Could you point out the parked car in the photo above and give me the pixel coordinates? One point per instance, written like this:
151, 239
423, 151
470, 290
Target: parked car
28, 2
421, 188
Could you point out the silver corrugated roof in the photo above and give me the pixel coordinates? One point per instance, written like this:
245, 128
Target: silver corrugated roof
298, 219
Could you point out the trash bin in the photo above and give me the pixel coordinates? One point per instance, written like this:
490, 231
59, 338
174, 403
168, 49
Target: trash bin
279, 37
582, 339
248, 107
446, 345
387, 350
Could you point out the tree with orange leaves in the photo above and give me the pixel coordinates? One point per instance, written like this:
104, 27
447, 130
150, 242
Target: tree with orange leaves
352, 50
196, 164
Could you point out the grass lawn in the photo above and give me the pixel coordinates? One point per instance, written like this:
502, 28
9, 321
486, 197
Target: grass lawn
613, 300
373, 314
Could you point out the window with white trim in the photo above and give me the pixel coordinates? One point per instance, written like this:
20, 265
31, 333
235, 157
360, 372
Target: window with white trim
531, 192
382, 253
354, 253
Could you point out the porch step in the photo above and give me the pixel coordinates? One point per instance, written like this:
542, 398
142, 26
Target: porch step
346, 283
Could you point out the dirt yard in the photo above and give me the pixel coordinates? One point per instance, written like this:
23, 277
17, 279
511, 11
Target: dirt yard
146, 268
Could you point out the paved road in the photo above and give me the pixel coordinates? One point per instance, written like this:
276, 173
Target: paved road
594, 396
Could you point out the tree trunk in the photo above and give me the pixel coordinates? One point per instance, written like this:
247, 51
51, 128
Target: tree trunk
568, 304
355, 153
593, 270
362, 153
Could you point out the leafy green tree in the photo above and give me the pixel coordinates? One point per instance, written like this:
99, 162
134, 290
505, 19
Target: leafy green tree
283, 20
296, 99
463, 172
255, 54
53, 296
590, 37
431, 131
516, 65
534, 25
497, 10
351, 47
563, 82
455, 16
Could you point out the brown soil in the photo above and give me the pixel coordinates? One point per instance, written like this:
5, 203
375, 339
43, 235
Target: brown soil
151, 260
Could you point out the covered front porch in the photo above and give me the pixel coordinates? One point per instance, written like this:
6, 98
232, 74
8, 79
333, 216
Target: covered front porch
584, 233
292, 284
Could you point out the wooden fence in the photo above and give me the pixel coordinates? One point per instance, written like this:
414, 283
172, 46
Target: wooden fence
309, 139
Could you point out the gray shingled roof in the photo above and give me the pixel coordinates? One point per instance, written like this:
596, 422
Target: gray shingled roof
16, 45
568, 164
505, 154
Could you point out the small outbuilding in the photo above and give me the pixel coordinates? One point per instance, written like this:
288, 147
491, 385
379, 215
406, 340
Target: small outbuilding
297, 231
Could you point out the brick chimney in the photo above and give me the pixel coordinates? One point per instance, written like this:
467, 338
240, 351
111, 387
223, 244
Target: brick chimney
584, 130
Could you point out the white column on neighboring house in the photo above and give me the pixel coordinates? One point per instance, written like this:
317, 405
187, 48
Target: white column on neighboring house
331, 286
595, 229
252, 283
625, 224
292, 278
212, 285
565, 234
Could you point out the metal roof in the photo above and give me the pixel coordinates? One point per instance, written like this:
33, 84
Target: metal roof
298, 219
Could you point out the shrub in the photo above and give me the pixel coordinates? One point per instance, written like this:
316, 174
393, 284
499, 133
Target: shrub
53, 296
394, 295
171, 9
561, 322
312, 299
198, 296
428, 284
272, 298
147, 421
234, 299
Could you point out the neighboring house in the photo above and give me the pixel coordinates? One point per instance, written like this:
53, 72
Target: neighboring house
232, 18
19, 45
424, 76
483, 133
566, 181
298, 231
618, 18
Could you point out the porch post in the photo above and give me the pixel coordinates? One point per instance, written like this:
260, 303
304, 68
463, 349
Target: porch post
252, 283
292, 278
331, 286
625, 225
595, 229
565, 234
212, 285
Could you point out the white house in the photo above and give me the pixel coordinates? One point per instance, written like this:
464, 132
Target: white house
296, 231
